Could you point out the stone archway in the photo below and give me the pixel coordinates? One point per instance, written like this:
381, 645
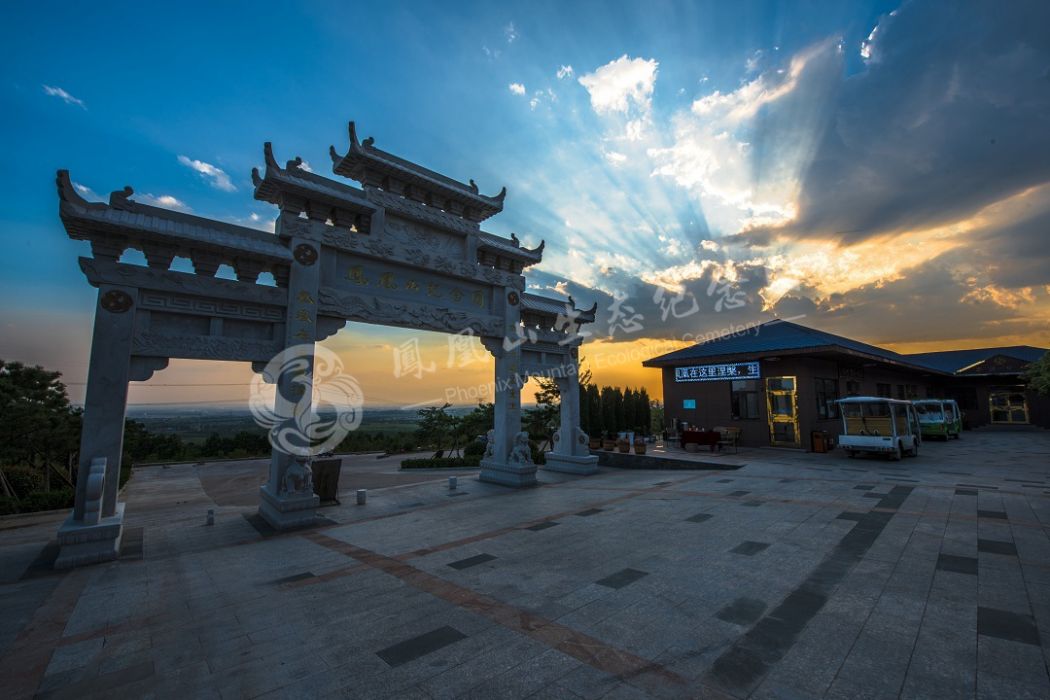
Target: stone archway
406, 249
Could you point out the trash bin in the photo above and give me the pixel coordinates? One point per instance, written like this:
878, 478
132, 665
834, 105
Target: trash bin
326, 479
819, 440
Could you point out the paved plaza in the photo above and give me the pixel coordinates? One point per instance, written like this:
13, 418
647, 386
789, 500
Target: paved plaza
780, 575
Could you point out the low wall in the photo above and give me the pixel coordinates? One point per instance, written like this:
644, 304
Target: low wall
622, 460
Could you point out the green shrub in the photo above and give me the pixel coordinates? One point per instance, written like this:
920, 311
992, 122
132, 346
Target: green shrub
443, 463
8, 506
46, 500
475, 448
24, 479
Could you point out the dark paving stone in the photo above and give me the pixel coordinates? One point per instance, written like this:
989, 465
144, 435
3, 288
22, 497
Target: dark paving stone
414, 648
742, 611
44, 564
131, 543
541, 526
749, 547
699, 518
1025, 481
850, 515
997, 547
863, 487
898, 478
854, 469
956, 473
873, 495
1003, 624
997, 514
458, 493
663, 483
294, 577
417, 504
753, 504
742, 667
726, 481
471, 561
739, 493
819, 469
965, 492
622, 578
957, 564
788, 481
589, 512
978, 486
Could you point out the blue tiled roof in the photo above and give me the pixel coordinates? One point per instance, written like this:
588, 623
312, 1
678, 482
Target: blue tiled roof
773, 336
955, 360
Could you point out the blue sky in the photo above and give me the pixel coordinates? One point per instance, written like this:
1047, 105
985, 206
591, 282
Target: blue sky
846, 161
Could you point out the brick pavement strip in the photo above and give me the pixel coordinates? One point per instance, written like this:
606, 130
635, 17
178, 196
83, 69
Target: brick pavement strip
591, 651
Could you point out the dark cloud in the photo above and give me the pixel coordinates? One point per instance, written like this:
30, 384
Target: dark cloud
949, 116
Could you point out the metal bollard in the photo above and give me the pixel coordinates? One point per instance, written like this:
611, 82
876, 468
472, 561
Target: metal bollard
362, 495
211, 517
452, 483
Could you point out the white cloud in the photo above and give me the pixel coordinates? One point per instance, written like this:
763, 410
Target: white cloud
709, 245
511, 32
306, 166
712, 157
618, 85
754, 61
64, 96
517, 88
215, 176
85, 191
165, 201
614, 157
565, 72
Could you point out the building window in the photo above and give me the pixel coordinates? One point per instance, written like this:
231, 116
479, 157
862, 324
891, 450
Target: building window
744, 398
827, 393
688, 403
884, 390
852, 388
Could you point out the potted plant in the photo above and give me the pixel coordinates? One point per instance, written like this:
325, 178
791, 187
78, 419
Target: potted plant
595, 443
639, 445
623, 445
609, 444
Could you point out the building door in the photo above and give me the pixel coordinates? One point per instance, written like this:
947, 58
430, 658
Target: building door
782, 405
1008, 405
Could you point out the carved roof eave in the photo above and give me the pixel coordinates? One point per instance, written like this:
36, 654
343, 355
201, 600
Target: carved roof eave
554, 307
136, 221
305, 184
508, 248
362, 156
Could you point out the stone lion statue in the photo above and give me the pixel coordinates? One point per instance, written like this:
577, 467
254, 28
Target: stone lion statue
299, 478
521, 453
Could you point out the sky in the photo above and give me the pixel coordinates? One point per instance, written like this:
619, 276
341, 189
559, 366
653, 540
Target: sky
879, 170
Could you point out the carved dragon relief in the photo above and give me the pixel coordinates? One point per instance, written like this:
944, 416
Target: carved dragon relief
371, 309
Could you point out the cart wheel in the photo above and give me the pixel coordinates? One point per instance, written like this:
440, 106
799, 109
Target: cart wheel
898, 453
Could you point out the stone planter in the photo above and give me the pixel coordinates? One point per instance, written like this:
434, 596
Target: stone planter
609, 445
595, 444
639, 446
623, 446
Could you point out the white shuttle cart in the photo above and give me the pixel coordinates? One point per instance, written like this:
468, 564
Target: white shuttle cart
879, 425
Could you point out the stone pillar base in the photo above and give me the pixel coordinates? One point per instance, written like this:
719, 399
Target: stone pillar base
288, 512
81, 544
508, 474
571, 464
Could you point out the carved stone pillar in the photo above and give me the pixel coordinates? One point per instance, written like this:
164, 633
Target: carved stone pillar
508, 459
287, 499
102, 435
570, 453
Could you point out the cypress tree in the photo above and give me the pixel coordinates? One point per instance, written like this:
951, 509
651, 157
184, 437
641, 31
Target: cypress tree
630, 405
